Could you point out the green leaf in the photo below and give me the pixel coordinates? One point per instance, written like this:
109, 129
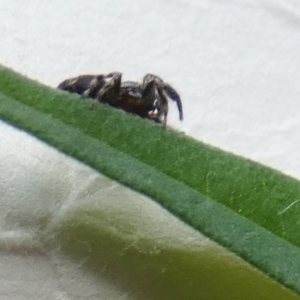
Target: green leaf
248, 208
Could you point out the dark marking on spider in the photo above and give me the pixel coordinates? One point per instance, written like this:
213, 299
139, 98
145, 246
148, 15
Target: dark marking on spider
148, 99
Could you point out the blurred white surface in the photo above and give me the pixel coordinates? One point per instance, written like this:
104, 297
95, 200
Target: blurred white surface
236, 65
40, 188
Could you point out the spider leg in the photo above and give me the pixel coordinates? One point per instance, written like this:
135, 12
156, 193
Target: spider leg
156, 101
163, 105
167, 89
110, 92
154, 92
175, 97
149, 88
77, 85
96, 84
148, 77
87, 86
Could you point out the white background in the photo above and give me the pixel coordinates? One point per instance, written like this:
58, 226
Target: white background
236, 65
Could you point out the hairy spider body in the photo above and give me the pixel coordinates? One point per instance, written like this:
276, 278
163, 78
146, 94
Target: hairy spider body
148, 99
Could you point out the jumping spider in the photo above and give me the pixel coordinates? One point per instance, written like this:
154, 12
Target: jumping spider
148, 99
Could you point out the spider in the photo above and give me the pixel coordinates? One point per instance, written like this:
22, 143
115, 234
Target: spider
148, 99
